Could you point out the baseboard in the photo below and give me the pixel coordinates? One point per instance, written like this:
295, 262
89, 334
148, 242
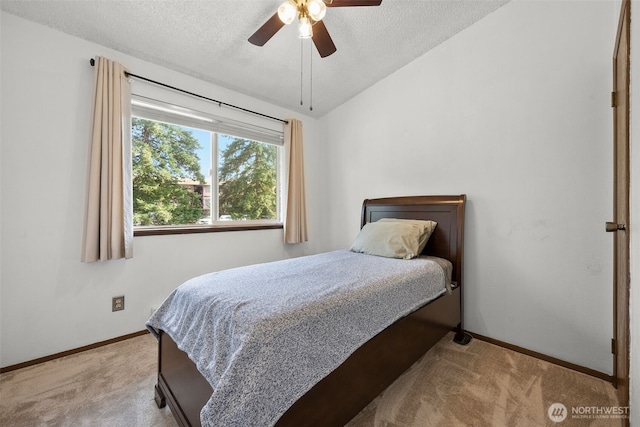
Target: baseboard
559, 362
70, 352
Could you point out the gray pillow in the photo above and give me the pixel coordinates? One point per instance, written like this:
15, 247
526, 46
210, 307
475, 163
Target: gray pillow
394, 238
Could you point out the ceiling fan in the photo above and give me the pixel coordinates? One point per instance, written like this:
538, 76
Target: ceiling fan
309, 14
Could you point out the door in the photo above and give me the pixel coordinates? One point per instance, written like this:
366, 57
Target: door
620, 224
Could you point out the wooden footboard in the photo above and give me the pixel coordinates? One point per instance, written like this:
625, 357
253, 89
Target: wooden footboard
338, 397
180, 383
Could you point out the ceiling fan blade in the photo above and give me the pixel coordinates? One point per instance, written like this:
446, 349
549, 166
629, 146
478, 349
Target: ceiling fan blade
349, 3
322, 40
268, 30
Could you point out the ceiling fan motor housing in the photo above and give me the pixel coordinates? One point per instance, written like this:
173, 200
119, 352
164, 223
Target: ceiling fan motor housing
308, 12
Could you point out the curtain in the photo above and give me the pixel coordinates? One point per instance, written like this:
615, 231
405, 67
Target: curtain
295, 224
108, 222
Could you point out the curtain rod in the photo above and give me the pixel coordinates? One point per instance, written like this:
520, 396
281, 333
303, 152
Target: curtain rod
220, 103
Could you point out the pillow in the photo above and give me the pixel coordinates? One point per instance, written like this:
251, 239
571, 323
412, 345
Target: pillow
426, 229
394, 238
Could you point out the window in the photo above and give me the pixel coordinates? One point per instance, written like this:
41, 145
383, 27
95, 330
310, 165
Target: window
193, 171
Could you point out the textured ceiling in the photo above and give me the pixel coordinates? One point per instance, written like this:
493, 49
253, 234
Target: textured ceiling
207, 39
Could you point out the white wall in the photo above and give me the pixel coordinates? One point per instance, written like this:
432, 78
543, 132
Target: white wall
514, 112
635, 213
51, 302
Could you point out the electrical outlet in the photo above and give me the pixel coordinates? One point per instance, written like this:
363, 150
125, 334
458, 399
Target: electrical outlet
117, 303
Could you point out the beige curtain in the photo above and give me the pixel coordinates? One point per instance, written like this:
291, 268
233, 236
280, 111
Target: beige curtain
108, 224
295, 225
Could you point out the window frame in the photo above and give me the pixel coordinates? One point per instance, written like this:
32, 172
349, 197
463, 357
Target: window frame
151, 109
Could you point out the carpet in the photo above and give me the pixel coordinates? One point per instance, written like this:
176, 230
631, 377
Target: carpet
480, 384
108, 386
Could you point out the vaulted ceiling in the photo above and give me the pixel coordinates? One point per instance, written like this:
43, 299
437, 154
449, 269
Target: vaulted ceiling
207, 39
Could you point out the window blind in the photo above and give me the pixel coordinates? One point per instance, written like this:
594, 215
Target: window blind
151, 109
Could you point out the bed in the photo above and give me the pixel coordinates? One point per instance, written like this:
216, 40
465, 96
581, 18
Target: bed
320, 398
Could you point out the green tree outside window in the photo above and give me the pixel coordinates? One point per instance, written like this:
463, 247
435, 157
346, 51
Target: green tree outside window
247, 180
163, 156
168, 182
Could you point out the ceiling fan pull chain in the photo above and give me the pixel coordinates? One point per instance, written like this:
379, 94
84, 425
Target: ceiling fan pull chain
301, 40
310, 79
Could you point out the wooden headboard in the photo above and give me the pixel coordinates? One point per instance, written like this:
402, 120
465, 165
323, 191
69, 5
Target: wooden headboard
447, 241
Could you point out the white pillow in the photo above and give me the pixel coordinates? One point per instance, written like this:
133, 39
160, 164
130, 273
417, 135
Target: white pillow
394, 238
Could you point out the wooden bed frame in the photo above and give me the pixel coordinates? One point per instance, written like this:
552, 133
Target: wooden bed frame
341, 395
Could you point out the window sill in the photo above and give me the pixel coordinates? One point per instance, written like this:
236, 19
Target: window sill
192, 229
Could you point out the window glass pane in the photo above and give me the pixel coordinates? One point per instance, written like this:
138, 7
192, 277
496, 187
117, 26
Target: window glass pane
247, 179
175, 182
204, 155
170, 164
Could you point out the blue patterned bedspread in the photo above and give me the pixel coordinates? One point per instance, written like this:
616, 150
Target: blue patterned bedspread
264, 334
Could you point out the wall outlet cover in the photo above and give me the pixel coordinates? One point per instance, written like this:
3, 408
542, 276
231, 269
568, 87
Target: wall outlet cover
117, 303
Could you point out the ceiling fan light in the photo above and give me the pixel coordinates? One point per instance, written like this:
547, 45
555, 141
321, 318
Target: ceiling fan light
288, 11
304, 28
316, 9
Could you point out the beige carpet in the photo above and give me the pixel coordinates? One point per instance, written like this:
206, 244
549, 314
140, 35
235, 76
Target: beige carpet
108, 386
482, 384
475, 385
